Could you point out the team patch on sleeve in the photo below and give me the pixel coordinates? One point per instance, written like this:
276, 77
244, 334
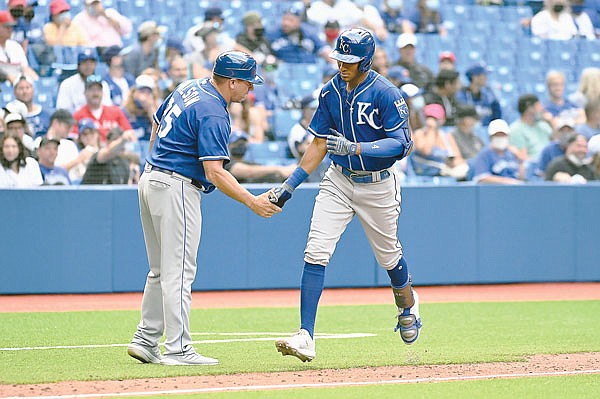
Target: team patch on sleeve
401, 107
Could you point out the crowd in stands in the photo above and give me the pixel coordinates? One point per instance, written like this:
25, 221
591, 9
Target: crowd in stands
490, 101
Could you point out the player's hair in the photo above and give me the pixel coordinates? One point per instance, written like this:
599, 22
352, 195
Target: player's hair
220, 79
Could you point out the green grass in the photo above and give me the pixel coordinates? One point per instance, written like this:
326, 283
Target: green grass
452, 333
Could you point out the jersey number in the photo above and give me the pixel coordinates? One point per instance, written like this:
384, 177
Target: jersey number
172, 112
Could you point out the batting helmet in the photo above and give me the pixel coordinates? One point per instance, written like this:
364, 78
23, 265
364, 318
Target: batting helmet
237, 65
355, 45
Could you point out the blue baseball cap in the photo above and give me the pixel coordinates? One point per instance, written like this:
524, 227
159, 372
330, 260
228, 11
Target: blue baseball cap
85, 123
478, 69
399, 73
87, 54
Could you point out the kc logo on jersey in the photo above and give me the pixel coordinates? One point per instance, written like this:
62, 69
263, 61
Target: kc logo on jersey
401, 107
370, 118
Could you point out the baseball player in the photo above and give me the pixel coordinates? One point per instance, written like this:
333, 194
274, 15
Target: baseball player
188, 147
362, 122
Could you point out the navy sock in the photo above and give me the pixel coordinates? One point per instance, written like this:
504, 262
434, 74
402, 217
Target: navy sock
399, 274
311, 288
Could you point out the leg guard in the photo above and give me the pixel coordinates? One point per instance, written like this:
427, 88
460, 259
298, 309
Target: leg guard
404, 296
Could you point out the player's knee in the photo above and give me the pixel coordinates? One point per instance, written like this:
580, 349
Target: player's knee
316, 260
389, 262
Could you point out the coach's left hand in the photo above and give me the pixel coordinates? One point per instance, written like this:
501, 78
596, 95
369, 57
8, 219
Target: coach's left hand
339, 145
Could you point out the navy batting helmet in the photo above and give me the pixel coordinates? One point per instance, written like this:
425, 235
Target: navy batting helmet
237, 65
355, 45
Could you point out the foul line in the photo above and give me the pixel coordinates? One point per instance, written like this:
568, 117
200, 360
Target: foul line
311, 385
204, 341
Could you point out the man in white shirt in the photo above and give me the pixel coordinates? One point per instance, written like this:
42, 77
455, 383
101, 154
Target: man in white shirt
554, 22
61, 123
71, 91
13, 61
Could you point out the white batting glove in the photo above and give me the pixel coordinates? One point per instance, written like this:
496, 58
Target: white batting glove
337, 144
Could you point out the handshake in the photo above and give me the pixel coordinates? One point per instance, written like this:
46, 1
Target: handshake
279, 195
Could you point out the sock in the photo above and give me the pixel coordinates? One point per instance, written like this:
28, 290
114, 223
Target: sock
399, 278
310, 292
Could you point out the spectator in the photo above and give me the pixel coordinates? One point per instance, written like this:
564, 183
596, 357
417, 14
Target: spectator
195, 41
332, 31
419, 73
591, 127
554, 21
583, 22
110, 165
556, 104
35, 38
105, 117
13, 61
103, 27
589, 87
371, 19
139, 108
446, 85
480, 95
594, 152
394, 17
397, 75
37, 117
18, 170
17, 126
415, 102
565, 128
253, 39
498, 163
178, 72
248, 172
345, 12
60, 31
267, 102
88, 144
294, 42
435, 152
381, 62
426, 18
203, 56
52, 174
117, 79
17, 10
61, 123
71, 92
145, 53
530, 133
447, 60
573, 167
469, 144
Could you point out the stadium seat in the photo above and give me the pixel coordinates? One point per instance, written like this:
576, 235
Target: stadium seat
284, 119
268, 153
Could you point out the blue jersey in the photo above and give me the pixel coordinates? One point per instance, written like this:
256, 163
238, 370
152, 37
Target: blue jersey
193, 126
374, 110
489, 163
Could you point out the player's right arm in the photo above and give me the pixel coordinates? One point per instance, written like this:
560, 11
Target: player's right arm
227, 184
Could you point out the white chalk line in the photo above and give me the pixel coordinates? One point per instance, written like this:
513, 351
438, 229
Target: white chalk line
312, 385
204, 341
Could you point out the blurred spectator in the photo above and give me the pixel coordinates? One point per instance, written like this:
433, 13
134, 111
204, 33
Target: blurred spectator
178, 72
381, 62
426, 18
435, 152
71, 92
13, 61
248, 172
332, 30
480, 95
88, 144
139, 109
345, 12
447, 84
371, 19
419, 73
145, 53
294, 42
573, 167
103, 27
35, 37
134, 167
267, 102
556, 104
394, 17
110, 165
46, 154
18, 169
447, 60
16, 126
497, 163
591, 127
59, 31
105, 117
17, 10
530, 133
173, 49
415, 102
582, 20
253, 39
589, 87
37, 117
469, 144
564, 129
554, 21
398, 75
119, 81
594, 152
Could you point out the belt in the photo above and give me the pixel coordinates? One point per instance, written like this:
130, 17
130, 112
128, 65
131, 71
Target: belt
193, 182
366, 177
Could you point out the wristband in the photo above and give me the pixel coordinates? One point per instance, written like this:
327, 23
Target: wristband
297, 177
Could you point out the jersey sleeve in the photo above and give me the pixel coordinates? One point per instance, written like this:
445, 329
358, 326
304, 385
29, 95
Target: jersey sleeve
394, 111
213, 137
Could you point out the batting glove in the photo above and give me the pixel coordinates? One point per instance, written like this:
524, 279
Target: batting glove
337, 144
281, 194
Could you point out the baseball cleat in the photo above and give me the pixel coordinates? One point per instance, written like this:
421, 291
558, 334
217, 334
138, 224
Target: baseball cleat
300, 345
143, 353
410, 325
188, 359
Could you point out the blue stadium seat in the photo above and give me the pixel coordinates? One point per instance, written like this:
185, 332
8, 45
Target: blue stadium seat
516, 13
268, 153
588, 54
284, 119
486, 14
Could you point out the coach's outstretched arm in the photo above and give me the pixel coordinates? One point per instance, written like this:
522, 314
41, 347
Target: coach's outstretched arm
313, 156
226, 183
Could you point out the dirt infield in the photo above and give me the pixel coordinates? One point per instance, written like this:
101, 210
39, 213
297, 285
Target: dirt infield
538, 365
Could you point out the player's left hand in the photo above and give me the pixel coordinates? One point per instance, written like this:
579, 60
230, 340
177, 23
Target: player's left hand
337, 144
